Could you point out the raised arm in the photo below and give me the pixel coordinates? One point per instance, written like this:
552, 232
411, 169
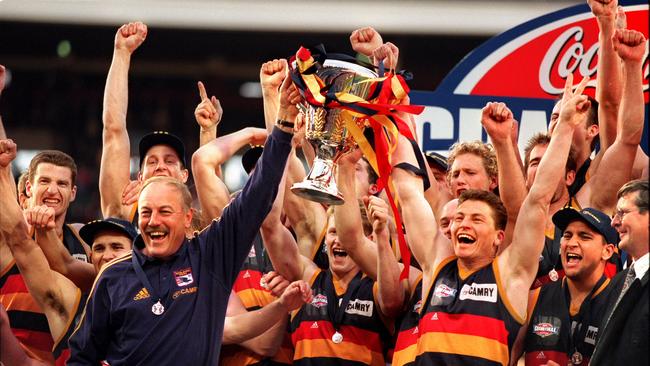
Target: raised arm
206, 162
617, 163
498, 122
114, 171
228, 241
347, 218
365, 40
427, 245
609, 80
81, 273
391, 292
208, 115
51, 291
307, 218
518, 263
281, 246
248, 325
271, 75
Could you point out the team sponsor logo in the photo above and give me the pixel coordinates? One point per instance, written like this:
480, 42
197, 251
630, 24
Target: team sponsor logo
479, 292
319, 301
592, 333
444, 291
526, 68
142, 294
183, 277
184, 291
545, 329
360, 307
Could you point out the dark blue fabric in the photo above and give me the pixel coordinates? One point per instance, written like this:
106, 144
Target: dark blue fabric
118, 325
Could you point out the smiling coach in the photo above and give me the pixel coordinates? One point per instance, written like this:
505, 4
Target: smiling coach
166, 302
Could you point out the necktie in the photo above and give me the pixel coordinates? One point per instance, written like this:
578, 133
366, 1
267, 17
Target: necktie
629, 278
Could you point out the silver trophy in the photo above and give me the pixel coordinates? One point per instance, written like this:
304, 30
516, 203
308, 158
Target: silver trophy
325, 130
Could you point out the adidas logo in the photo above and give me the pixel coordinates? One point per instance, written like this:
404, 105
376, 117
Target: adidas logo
435, 316
314, 325
142, 294
247, 275
541, 355
416, 330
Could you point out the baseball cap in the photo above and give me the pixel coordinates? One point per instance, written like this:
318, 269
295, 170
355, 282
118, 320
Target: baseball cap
437, 159
162, 138
598, 221
88, 231
250, 157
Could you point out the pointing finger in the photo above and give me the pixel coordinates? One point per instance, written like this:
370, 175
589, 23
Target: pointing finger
202, 92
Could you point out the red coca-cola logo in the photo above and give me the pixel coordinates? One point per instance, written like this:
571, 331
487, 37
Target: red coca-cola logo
536, 63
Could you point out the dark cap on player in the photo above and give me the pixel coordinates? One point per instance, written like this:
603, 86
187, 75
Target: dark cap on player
597, 220
250, 157
90, 230
162, 138
437, 159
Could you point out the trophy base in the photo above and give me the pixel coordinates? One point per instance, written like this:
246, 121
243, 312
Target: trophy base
312, 192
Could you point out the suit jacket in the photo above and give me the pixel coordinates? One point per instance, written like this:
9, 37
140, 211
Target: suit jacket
624, 339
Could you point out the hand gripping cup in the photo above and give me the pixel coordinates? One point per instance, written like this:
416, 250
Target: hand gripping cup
325, 130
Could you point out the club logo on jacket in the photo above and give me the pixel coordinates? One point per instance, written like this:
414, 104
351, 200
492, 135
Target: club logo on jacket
183, 277
479, 292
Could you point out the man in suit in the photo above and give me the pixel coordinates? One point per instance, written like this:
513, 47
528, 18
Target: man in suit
624, 339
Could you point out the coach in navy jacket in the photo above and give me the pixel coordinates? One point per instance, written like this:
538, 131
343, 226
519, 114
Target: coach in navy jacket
165, 303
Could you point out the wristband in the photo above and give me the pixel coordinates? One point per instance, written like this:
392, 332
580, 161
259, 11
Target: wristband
284, 123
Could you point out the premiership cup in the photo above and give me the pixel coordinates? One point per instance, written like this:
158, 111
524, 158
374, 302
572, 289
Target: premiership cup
325, 130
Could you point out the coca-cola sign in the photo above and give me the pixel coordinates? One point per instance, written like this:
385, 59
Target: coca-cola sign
524, 67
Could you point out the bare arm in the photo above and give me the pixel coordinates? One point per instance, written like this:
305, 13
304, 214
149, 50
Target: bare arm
212, 192
280, 244
518, 263
252, 328
81, 273
391, 291
498, 122
347, 219
609, 80
114, 170
307, 218
51, 291
271, 75
617, 163
284, 254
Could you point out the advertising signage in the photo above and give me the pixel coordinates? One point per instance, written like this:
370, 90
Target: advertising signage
524, 67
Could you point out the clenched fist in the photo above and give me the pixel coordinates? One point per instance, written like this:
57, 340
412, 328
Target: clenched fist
130, 36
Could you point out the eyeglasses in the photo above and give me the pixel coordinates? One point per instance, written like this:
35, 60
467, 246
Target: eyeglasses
620, 214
